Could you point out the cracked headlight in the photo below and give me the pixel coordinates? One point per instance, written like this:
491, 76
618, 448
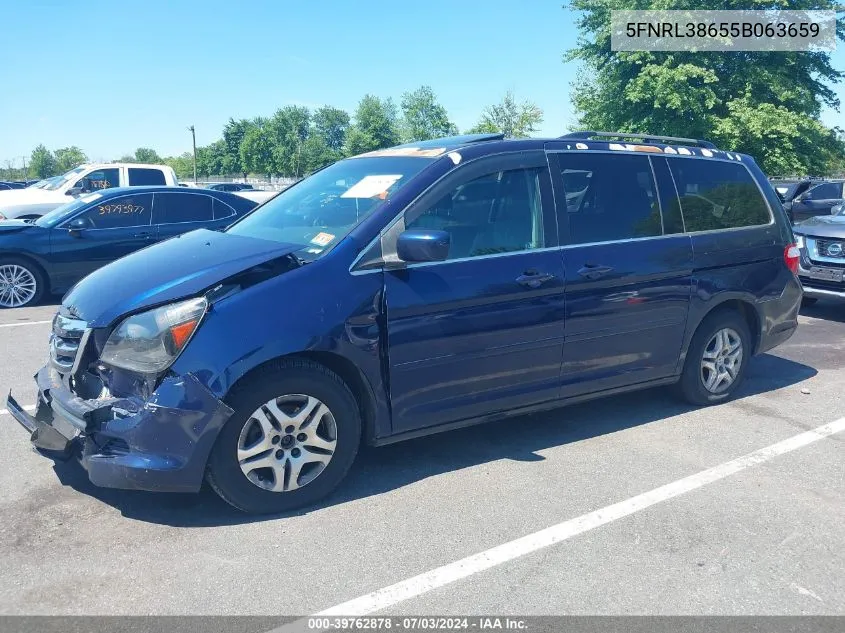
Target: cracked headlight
149, 342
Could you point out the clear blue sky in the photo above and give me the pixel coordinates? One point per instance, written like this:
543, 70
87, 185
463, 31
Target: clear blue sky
113, 76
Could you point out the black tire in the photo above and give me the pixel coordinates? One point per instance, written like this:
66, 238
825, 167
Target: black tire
37, 274
287, 377
808, 301
691, 386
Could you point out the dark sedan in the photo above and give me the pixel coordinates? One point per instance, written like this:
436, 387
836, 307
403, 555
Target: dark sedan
822, 266
58, 249
230, 186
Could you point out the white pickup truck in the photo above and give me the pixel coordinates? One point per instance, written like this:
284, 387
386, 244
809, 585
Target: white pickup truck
45, 195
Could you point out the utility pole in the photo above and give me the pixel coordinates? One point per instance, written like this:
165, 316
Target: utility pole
194, 137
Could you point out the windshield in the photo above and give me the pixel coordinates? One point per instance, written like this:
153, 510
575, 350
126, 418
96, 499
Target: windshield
322, 209
51, 184
59, 214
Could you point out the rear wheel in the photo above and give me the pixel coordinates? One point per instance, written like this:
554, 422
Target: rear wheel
21, 283
717, 359
294, 434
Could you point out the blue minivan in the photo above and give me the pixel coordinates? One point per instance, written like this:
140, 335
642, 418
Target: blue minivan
414, 290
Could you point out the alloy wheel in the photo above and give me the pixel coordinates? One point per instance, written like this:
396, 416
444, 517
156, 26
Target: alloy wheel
17, 285
721, 361
287, 443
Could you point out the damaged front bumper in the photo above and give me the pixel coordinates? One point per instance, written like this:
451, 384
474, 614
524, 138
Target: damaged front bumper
160, 443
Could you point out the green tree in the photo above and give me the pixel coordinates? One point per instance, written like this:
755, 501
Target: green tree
514, 120
183, 165
42, 163
147, 155
766, 104
127, 158
376, 126
256, 151
331, 124
234, 133
69, 157
288, 130
423, 117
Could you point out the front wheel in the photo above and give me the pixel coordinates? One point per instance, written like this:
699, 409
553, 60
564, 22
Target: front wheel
717, 359
292, 439
21, 283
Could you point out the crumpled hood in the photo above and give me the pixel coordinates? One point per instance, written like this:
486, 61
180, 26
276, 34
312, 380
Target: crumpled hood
180, 267
822, 226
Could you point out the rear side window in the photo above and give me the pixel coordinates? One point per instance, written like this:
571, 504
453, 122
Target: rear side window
177, 208
222, 210
139, 177
116, 213
609, 197
717, 195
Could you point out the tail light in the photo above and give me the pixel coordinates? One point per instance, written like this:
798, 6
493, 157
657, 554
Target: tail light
791, 256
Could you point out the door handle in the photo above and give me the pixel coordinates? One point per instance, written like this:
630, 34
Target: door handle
533, 278
594, 271
145, 234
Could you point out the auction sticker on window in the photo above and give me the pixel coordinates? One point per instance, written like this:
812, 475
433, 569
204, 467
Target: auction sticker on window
322, 239
370, 186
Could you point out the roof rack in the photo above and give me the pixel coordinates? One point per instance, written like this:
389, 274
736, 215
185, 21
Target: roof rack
649, 138
452, 141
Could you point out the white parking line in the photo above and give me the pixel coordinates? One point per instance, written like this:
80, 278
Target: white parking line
29, 407
24, 323
447, 574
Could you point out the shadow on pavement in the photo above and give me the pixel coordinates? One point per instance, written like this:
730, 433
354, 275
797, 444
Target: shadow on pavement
379, 470
829, 310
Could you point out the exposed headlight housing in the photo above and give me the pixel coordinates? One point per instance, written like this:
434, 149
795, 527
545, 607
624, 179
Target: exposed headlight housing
150, 342
799, 241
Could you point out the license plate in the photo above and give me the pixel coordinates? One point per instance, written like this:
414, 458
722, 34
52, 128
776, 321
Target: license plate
826, 274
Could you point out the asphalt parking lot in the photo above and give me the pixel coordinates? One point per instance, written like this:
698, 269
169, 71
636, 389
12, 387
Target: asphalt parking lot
758, 535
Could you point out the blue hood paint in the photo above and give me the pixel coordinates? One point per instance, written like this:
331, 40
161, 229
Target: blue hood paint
174, 269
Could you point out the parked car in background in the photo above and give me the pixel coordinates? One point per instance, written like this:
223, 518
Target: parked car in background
5, 185
414, 290
45, 195
817, 200
230, 186
58, 249
787, 189
822, 243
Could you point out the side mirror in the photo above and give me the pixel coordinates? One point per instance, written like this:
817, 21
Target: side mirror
418, 245
74, 191
76, 226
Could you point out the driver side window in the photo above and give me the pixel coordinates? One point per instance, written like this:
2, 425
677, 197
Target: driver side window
495, 213
115, 213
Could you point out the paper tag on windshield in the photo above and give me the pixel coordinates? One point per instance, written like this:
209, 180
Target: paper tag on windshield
91, 197
322, 239
370, 186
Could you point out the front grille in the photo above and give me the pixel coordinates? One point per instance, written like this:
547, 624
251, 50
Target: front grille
831, 248
65, 342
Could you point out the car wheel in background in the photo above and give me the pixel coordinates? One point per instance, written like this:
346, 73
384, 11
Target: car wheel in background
717, 359
292, 439
21, 283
